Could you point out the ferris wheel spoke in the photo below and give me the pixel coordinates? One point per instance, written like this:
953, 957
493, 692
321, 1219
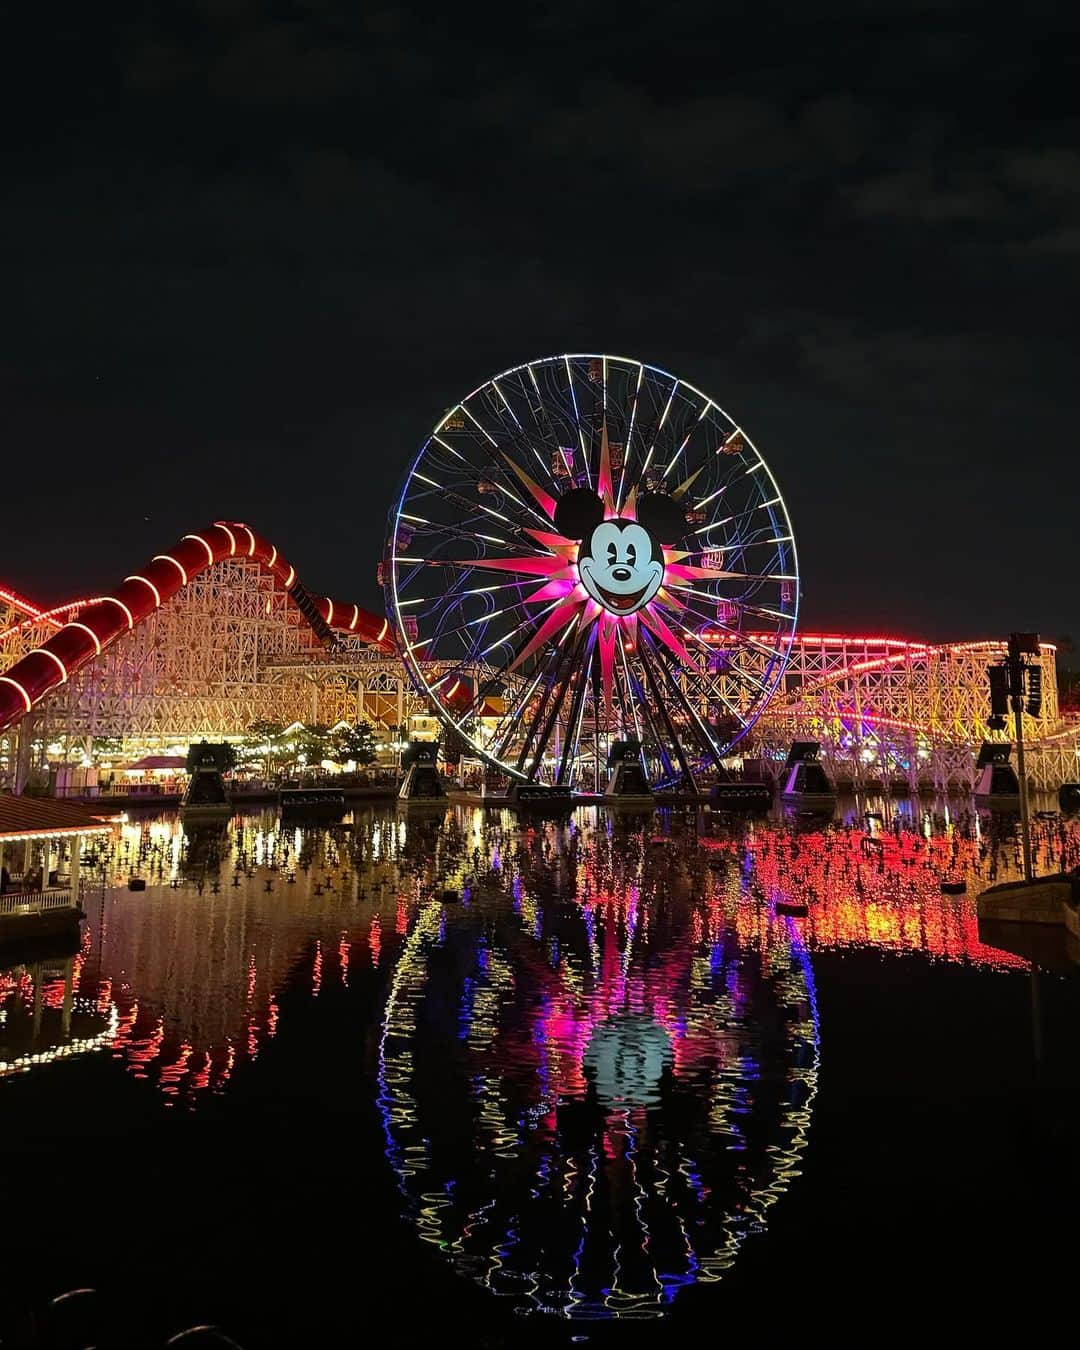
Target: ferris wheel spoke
496, 456
494, 675
510, 724
769, 613
625, 694
754, 680
662, 712
531, 440
482, 590
516, 435
685, 441
770, 539
540, 495
530, 547
572, 738
545, 443
467, 627
685, 588
730, 480
442, 492
748, 640
557, 448
547, 712
483, 587
536, 568
697, 637
508, 406
658, 429
678, 694
456, 531
577, 420
483, 539
541, 421
559, 401
628, 445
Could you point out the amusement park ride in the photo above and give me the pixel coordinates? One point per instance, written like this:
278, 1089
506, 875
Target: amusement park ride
586, 553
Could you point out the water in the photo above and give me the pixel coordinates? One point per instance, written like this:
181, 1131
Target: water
604, 1090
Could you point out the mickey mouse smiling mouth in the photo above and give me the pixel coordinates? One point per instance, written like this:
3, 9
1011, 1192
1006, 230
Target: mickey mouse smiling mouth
622, 604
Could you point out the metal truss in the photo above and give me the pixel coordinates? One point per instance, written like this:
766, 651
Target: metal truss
887, 711
230, 649
24, 627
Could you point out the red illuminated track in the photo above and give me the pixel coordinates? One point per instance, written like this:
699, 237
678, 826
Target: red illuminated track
99, 622
19, 602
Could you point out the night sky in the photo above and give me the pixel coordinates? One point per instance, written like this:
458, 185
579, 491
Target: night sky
250, 252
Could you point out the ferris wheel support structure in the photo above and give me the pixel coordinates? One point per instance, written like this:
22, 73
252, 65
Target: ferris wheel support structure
562, 541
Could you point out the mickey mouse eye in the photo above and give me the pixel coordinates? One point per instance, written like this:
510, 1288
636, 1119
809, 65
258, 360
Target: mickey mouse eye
631, 555
612, 555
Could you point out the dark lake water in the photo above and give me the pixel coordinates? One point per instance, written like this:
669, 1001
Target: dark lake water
605, 1090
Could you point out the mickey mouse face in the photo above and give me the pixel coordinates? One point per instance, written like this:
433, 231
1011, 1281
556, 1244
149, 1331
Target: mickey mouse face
617, 567
620, 562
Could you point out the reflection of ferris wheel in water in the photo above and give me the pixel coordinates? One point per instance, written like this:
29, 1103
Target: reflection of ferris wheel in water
607, 1118
564, 541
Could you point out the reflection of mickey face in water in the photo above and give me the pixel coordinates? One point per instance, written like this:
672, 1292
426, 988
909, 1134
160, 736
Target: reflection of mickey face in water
620, 562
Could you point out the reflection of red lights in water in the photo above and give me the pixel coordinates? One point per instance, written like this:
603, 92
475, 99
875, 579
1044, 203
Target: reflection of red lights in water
622, 985
181, 1069
630, 1065
186, 1037
885, 893
191, 1010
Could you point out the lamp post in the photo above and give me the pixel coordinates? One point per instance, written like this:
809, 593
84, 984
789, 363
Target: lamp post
1025, 817
1021, 645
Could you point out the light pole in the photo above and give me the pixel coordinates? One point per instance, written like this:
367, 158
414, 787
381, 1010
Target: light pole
1017, 700
1016, 680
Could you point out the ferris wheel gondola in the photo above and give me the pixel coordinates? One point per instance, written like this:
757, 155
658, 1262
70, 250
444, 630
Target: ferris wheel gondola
588, 550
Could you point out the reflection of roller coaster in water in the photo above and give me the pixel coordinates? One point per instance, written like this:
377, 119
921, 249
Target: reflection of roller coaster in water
591, 1104
43, 1020
182, 982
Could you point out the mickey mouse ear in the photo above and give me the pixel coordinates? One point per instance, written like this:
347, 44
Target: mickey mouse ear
578, 512
662, 516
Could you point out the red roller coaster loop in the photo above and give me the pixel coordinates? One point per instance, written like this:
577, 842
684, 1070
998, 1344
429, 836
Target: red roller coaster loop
100, 621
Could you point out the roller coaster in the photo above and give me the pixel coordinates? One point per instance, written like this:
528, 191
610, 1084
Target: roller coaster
219, 633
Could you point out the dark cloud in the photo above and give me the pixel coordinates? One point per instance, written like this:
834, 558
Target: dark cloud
913, 195
1054, 171
1059, 243
249, 251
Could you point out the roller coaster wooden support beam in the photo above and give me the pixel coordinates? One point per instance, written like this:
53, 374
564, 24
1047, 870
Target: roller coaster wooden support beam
101, 621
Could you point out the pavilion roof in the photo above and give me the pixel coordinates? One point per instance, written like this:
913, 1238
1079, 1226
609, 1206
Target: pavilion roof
24, 817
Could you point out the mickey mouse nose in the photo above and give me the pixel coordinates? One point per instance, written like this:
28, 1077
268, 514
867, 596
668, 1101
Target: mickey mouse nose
620, 573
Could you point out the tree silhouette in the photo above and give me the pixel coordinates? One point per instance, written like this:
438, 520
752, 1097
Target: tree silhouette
356, 743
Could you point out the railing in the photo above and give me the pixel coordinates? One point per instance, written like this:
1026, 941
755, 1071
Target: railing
169, 788
35, 902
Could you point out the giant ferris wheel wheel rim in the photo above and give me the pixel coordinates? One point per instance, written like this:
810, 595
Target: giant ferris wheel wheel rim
570, 619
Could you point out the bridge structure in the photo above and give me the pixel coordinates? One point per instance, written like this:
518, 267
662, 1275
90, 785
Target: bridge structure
219, 634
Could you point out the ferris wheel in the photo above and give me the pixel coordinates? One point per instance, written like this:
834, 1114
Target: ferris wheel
586, 551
